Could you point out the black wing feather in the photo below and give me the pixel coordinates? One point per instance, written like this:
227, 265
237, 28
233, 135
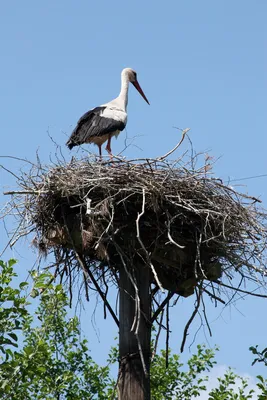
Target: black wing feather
91, 124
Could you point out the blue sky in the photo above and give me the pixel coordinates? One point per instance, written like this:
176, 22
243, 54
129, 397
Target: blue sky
201, 64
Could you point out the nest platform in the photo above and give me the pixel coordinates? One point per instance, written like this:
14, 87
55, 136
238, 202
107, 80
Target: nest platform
187, 226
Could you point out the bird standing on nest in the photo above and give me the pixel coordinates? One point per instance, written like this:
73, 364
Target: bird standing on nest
102, 123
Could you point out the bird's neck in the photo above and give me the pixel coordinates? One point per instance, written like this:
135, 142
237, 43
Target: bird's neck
123, 96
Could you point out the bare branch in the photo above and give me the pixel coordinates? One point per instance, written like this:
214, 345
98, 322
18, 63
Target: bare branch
184, 132
187, 326
91, 276
142, 244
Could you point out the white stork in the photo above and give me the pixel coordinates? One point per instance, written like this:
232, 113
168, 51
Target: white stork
101, 123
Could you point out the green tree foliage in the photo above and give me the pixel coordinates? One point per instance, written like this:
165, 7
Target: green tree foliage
225, 390
42, 354
175, 382
53, 362
261, 357
13, 312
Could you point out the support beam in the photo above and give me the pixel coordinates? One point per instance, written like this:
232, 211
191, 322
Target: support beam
133, 383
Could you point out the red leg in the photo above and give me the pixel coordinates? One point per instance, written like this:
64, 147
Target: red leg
108, 148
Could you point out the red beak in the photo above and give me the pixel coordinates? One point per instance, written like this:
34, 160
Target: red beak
138, 87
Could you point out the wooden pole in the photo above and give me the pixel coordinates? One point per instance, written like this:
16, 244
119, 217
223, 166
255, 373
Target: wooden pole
133, 383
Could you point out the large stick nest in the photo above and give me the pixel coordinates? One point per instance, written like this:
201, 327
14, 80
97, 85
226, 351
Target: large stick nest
184, 224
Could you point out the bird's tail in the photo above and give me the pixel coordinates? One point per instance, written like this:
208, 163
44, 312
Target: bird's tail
70, 144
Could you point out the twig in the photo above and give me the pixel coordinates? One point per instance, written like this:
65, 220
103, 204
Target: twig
169, 233
141, 355
85, 278
167, 333
20, 235
184, 132
213, 296
19, 159
91, 276
205, 316
161, 307
12, 192
251, 293
142, 244
198, 293
154, 352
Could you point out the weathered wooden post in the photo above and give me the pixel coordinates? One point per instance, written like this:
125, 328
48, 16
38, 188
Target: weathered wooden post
135, 333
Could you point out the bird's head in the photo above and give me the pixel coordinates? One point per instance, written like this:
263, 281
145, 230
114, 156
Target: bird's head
131, 76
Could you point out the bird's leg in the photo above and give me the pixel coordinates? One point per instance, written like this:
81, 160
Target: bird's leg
100, 152
108, 148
